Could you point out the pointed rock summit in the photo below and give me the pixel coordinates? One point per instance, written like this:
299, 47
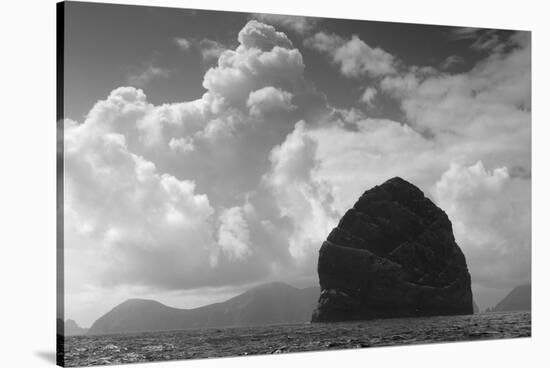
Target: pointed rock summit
392, 255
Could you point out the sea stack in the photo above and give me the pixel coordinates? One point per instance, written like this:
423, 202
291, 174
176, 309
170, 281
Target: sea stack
392, 255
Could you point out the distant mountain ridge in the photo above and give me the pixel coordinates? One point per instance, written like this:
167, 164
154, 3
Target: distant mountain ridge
71, 328
517, 300
273, 303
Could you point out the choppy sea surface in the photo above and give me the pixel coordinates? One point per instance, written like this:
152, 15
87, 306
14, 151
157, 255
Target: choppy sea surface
275, 339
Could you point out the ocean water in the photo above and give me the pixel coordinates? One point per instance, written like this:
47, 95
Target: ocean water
275, 339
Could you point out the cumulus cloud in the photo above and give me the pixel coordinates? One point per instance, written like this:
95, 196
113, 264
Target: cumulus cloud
132, 214
307, 202
354, 160
269, 99
179, 120
144, 125
451, 61
483, 39
119, 112
211, 49
127, 212
368, 95
354, 57
194, 194
262, 36
480, 115
485, 110
233, 234
183, 145
221, 127
298, 24
129, 224
341, 116
142, 77
183, 43
324, 42
491, 216
490, 208
264, 57
254, 78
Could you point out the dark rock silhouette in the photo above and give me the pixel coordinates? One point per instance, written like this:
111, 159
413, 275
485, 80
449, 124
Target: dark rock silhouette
392, 255
519, 299
71, 328
273, 303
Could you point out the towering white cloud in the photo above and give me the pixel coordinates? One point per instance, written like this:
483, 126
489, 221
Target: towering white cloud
258, 76
307, 202
132, 216
262, 36
491, 216
249, 68
354, 160
140, 225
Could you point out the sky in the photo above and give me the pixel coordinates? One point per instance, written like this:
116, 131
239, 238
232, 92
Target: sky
208, 152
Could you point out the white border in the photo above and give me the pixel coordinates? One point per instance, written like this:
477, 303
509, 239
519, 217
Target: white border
27, 195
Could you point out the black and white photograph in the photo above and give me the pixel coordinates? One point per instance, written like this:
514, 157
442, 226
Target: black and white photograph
234, 184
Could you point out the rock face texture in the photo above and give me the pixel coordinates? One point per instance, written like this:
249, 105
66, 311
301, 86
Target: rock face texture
392, 255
